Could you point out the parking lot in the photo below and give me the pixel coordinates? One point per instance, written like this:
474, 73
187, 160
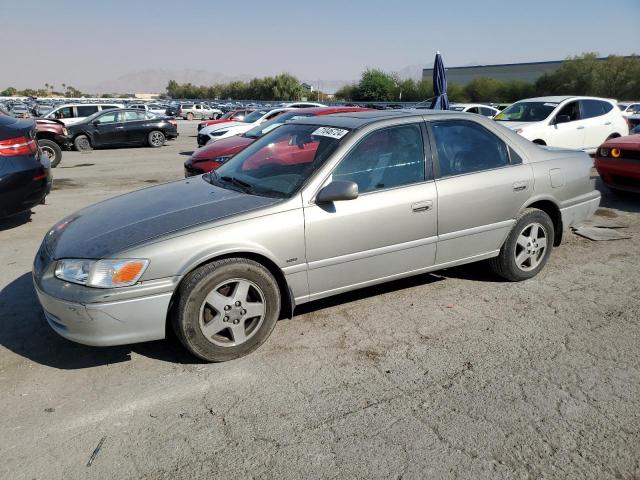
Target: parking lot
455, 374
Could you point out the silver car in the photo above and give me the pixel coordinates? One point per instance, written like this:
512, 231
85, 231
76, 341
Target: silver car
318, 206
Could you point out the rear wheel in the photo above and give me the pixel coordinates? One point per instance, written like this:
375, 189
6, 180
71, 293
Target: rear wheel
52, 150
82, 143
226, 309
527, 247
156, 139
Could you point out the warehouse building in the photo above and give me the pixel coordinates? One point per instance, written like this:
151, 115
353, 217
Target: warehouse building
529, 72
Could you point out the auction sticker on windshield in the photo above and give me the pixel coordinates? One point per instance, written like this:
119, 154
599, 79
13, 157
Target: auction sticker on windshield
337, 133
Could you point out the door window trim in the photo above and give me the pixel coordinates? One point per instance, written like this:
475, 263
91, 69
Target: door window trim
436, 159
426, 156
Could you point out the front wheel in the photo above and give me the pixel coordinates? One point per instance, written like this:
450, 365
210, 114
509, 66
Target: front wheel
226, 309
82, 143
156, 139
527, 247
52, 150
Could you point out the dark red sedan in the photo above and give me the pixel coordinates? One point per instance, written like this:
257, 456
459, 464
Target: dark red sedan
618, 163
213, 155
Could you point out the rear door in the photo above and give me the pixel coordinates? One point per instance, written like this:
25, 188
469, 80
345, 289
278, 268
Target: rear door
482, 184
135, 126
597, 126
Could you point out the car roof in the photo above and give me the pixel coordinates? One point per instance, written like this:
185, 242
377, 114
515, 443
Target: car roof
562, 98
354, 120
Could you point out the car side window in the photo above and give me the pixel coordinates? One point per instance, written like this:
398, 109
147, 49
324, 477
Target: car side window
473, 110
133, 116
86, 110
571, 109
487, 112
591, 108
107, 118
387, 158
66, 112
466, 147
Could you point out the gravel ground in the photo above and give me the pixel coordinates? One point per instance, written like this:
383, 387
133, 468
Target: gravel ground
447, 375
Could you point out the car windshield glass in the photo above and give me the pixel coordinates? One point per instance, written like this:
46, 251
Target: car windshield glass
254, 116
526, 112
266, 127
280, 162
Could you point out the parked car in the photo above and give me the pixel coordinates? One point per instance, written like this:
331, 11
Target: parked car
192, 111
228, 129
629, 109
52, 138
355, 202
20, 110
569, 122
303, 105
173, 111
214, 154
618, 163
25, 173
478, 108
77, 112
121, 127
149, 107
232, 116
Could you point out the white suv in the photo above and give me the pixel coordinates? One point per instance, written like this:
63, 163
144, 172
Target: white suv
569, 122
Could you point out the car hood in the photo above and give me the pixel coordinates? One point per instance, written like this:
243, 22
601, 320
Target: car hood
107, 228
223, 147
630, 142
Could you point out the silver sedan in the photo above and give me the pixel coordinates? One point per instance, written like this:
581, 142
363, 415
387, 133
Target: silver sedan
316, 207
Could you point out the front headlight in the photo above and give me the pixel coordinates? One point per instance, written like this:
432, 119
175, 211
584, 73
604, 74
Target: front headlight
217, 133
604, 152
222, 159
101, 273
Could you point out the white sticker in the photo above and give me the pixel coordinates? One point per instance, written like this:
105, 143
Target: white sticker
337, 133
549, 104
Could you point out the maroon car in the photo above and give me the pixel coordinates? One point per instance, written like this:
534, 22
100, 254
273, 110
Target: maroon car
214, 154
233, 116
618, 163
51, 135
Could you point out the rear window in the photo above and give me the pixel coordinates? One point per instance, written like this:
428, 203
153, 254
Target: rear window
591, 108
86, 110
109, 107
187, 106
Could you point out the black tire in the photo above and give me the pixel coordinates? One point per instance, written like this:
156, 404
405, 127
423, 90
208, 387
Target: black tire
156, 139
505, 263
52, 150
82, 143
190, 304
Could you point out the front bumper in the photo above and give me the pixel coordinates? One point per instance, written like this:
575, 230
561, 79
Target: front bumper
102, 317
619, 173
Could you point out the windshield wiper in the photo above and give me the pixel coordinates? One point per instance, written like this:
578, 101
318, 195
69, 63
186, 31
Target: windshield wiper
244, 186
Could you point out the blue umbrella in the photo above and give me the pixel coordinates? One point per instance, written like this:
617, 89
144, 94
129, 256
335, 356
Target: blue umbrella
441, 101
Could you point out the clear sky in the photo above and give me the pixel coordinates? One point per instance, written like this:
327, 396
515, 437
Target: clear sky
80, 42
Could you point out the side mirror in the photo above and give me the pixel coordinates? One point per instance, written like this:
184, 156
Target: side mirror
562, 119
337, 191
96, 123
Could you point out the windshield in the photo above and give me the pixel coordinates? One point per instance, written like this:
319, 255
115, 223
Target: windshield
526, 112
266, 127
279, 163
255, 116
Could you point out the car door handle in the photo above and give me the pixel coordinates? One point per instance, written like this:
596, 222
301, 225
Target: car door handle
120, 127
422, 206
520, 186
579, 128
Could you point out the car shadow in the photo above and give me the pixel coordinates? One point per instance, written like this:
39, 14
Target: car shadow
623, 201
24, 331
187, 154
15, 220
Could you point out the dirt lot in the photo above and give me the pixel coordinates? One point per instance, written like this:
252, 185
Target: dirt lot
447, 375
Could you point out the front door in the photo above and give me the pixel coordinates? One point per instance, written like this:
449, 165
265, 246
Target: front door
568, 134
482, 185
389, 230
108, 129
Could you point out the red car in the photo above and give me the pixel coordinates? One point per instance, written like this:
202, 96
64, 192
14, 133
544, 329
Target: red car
618, 163
233, 116
215, 154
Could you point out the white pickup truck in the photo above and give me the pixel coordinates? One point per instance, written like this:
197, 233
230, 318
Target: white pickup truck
192, 111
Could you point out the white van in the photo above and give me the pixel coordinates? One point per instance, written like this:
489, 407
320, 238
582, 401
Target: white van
71, 113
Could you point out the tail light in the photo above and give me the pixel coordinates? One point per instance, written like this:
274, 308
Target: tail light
13, 147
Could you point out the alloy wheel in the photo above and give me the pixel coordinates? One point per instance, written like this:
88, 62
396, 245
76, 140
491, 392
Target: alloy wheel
531, 246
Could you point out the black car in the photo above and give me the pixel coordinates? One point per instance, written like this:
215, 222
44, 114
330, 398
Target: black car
173, 111
121, 126
25, 174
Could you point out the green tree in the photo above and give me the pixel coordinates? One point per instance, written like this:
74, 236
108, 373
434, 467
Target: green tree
376, 85
9, 92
